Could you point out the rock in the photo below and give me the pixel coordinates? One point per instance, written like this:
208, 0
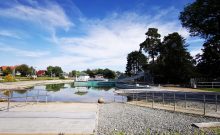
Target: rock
101, 100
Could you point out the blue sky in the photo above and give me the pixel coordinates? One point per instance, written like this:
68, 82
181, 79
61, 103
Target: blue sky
81, 34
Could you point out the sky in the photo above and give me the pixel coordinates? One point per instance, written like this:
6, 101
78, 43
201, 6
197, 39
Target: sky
82, 34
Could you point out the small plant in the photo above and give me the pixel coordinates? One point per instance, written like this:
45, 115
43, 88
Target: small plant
9, 78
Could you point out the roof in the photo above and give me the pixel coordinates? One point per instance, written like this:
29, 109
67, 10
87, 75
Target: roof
5, 67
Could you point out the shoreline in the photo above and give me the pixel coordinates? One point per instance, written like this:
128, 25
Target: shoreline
23, 85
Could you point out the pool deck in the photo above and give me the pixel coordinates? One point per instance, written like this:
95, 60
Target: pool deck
50, 118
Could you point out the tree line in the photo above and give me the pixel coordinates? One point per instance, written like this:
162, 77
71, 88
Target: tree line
168, 60
106, 73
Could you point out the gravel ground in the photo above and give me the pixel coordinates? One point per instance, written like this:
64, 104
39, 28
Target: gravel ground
130, 119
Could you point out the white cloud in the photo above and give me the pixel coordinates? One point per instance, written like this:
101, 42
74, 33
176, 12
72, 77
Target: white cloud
49, 16
108, 41
24, 53
6, 33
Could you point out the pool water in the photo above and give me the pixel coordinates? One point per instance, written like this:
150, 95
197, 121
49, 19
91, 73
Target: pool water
67, 93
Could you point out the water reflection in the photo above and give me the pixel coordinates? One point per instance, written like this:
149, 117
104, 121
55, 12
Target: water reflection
54, 87
67, 93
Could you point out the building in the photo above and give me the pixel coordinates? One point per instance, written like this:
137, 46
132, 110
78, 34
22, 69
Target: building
83, 77
41, 73
3, 68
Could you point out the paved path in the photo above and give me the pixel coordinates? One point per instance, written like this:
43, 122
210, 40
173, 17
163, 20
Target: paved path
50, 118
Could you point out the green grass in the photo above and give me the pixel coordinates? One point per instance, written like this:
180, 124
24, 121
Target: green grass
211, 89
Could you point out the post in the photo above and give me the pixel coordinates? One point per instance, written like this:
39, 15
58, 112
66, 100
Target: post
204, 104
185, 101
46, 97
212, 84
133, 96
163, 99
26, 96
146, 96
174, 99
9, 96
216, 102
37, 96
153, 100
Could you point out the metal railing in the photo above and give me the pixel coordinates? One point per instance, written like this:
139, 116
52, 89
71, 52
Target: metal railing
28, 98
199, 102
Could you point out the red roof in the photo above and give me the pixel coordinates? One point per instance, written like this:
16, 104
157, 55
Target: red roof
5, 67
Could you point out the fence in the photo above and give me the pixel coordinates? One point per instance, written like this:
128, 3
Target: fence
205, 103
208, 84
7, 97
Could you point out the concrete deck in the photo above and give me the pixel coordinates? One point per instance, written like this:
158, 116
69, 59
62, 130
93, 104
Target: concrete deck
50, 118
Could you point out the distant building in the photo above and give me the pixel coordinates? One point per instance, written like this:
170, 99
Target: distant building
41, 73
83, 77
3, 68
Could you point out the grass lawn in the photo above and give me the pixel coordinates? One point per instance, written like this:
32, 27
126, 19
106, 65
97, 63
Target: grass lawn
211, 89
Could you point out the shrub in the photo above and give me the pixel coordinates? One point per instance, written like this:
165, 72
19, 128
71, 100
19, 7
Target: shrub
61, 77
9, 78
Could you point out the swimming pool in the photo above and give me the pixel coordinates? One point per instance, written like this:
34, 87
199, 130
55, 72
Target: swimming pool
67, 93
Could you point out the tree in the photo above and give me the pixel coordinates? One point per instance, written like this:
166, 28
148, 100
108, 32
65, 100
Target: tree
54, 71
209, 62
23, 69
152, 43
135, 61
107, 73
202, 18
175, 63
7, 71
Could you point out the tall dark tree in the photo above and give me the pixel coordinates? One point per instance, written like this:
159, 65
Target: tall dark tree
135, 61
175, 63
202, 18
54, 70
209, 61
152, 43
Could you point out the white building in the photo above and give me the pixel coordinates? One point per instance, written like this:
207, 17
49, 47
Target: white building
83, 77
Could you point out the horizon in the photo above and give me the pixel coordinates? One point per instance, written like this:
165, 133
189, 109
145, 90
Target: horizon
80, 35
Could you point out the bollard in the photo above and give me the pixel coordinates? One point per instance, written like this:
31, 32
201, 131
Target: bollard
46, 98
204, 104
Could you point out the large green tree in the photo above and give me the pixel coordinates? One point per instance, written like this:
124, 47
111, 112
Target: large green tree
175, 62
202, 18
23, 69
54, 70
152, 43
135, 61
